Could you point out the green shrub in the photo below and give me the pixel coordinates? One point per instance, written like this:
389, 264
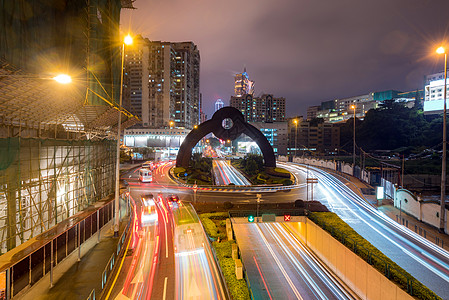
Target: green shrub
350, 238
179, 170
210, 227
237, 288
216, 216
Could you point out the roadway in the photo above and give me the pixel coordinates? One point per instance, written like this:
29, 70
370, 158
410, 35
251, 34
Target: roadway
421, 258
225, 173
156, 266
279, 266
424, 260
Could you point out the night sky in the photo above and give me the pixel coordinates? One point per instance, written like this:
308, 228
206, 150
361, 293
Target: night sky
306, 51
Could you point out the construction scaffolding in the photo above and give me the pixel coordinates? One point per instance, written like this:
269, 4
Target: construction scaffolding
43, 182
57, 142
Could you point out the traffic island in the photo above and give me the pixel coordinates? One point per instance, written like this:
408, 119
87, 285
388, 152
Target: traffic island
215, 226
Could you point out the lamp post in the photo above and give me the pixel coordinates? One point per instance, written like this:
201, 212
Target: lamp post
169, 138
296, 134
353, 142
128, 41
441, 50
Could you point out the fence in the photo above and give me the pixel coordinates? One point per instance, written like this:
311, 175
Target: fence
28, 270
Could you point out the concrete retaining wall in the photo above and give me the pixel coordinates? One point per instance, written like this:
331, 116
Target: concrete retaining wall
362, 278
427, 212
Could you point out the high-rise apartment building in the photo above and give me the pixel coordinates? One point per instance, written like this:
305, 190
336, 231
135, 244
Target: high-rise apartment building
260, 109
218, 104
161, 83
242, 84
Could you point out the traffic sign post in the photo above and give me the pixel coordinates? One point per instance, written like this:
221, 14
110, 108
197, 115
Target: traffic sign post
311, 181
258, 202
195, 188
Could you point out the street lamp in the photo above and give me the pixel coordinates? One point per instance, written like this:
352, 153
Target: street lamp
296, 134
128, 40
353, 141
169, 138
63, 78
441, 50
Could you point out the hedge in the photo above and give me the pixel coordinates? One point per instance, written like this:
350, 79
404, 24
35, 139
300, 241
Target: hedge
237, 288
351, 239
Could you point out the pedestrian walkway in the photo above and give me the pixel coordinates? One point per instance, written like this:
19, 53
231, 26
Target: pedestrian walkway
75, 279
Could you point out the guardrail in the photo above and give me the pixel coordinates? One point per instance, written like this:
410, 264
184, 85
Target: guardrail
111, 263
223, 280
91, 295
108, 270
32, 267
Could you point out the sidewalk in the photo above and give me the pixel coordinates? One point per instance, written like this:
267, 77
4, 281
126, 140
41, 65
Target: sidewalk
427, 231
75, 279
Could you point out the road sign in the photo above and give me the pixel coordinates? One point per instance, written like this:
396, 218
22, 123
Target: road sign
312, 180
287, 218
195, 187
251, 219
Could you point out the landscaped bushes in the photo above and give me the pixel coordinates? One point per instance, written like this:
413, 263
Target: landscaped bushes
215, 226
346, 235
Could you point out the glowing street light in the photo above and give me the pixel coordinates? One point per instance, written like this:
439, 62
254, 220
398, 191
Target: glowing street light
353, 141
441, 50
128, 41
169, 138
63, 78
296, 134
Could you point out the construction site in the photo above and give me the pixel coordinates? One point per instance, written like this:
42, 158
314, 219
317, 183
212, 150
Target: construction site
57, 141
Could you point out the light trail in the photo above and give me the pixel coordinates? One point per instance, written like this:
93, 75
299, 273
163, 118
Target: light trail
424, 260
278, 263
263, 278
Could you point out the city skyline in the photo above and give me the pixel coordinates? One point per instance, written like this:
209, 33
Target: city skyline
298, 50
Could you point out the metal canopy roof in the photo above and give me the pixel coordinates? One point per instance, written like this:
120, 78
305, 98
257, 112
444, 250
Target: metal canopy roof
29, 99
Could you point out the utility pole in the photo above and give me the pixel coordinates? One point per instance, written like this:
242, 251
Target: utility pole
258, 202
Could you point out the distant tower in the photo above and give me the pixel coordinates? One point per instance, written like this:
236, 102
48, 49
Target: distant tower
218, 104
243, 85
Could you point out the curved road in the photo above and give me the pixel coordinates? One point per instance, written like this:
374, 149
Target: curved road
424, 260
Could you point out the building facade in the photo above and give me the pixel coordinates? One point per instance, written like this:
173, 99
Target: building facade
434, 94
305, 137
218, 105
242, 84
265, 108
312, 111
276, 134
161, 83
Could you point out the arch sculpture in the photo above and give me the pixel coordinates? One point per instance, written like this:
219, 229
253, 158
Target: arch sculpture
233, 130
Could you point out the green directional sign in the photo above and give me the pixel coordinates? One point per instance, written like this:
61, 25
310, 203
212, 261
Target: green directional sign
251, 219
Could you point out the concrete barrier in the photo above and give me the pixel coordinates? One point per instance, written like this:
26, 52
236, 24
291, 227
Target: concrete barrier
358, 275
238, 269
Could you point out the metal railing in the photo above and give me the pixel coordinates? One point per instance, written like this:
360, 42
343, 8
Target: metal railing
109, 268
32, 267
114, 257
